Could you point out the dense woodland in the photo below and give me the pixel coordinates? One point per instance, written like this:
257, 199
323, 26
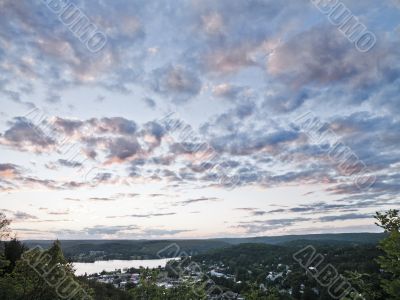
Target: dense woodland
372, 269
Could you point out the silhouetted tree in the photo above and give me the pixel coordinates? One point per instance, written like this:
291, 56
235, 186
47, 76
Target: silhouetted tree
12, 252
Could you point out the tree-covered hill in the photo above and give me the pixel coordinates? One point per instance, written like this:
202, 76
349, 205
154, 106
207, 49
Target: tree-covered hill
89, 250
361, 238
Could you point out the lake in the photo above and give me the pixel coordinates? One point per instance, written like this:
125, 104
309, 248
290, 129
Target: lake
111, 265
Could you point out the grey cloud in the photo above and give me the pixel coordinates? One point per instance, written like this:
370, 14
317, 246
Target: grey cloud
248, 143
98, 230
149, 215
344, 217
69, 163
53, 98
176, 82
121, 149
108, 230
126, 195
246, 208
67, 126
323, 57
258, 213
162, 232
24, 135
150, 102
155, 195
121, 230
202, 199
20, 216
228, 91
52, 56
72, 199
115, 125
59, 213
11, 169
263, 226
101, 199
283, 100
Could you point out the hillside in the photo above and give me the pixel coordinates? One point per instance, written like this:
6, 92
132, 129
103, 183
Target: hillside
359, 238
90, 250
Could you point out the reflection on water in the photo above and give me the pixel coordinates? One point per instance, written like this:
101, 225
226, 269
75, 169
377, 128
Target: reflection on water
111, 265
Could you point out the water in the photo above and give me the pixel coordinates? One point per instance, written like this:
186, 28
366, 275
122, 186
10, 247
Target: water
111, 265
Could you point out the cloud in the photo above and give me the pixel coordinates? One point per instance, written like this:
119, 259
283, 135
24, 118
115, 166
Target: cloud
229, 60
242, 143
126, 195
259, 226
53, 98
176, 82
322, 57
67, 126
59, 213
152, 134
121, 149
345, 217
26, 136
198, 200
242, 71
20, 216
149, 215
9, 171
150, 102
126, 231
101, 199
45, 50
69, 163
258, 213
99, 230
155, 195
108, 230
163, 232
72, 199
343, 205
283, 100
246, 209
227, 91
264, 226
115, 125
319, 55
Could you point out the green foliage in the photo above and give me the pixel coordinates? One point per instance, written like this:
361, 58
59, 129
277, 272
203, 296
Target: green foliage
366, 284
36, 274
4, 230
43, 275
261, 293
390, 261
389, 221
13, 251
102, 291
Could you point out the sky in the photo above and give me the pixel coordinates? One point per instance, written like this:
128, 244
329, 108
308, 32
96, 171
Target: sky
197, 118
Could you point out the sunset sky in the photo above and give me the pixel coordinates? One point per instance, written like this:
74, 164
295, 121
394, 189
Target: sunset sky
88, 149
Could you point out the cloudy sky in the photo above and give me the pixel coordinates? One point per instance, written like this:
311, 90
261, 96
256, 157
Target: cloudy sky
193, 120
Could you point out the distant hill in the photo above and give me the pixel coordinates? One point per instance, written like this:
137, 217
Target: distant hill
90, 250
358, 238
